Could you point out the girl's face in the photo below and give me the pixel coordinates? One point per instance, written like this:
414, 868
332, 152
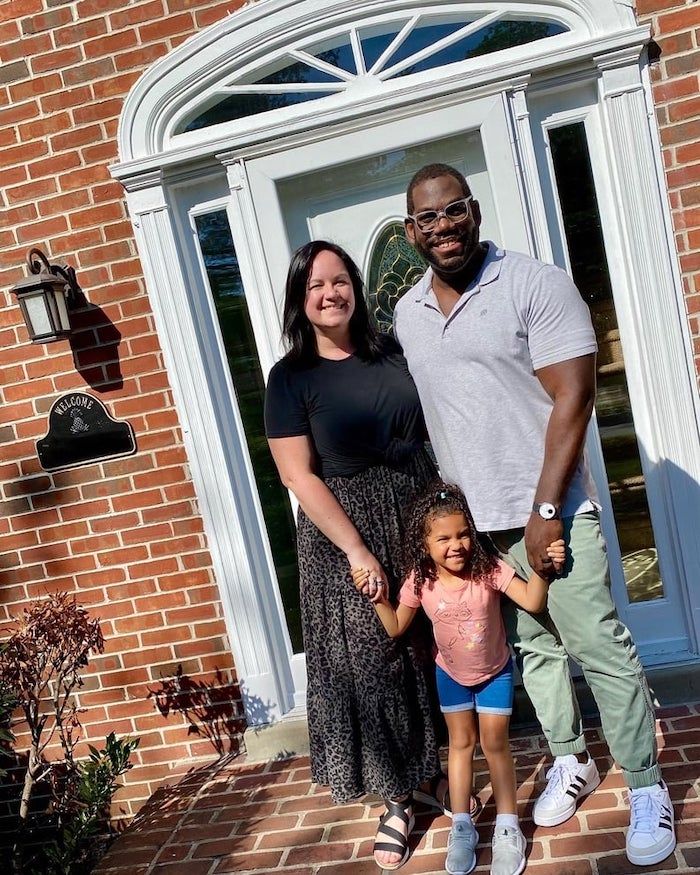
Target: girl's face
448, 542
330, 297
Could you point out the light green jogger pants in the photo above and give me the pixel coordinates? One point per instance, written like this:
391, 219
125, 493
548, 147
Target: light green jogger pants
581, 620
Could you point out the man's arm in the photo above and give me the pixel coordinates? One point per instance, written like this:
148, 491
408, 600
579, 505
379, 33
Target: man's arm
571, 386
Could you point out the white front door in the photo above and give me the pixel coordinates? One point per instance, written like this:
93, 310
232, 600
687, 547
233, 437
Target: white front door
351, 188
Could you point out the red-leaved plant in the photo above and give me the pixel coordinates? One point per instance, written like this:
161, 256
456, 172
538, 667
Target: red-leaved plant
41, 662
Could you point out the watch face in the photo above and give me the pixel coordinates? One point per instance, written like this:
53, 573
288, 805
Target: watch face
547, 511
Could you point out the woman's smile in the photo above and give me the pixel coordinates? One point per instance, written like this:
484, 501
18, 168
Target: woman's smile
330, 298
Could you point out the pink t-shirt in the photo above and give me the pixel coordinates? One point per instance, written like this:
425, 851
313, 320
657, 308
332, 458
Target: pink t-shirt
467, 624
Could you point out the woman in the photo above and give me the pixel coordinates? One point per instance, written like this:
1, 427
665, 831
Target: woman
346, 432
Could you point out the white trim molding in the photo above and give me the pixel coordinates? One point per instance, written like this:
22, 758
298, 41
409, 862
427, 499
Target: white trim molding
524, 150
270, 29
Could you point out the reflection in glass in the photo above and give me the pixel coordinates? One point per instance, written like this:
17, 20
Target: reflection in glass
237, 106
579, 206
337, 52
232, 311
296, 73
422, 37
376, 40
493, 38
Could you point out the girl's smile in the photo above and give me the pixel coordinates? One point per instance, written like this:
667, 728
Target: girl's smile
448, 542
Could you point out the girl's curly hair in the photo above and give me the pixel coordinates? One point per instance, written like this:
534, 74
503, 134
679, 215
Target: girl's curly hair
438, 500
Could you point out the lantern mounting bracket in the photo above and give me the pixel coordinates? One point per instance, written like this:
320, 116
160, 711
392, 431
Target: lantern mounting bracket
37, 261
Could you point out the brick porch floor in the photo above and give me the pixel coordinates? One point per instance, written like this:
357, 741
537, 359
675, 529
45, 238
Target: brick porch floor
230, 816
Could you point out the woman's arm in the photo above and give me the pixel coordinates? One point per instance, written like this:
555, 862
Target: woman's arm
294, 457
532, 596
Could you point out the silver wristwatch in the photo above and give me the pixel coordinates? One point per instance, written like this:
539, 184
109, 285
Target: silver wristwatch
546, 510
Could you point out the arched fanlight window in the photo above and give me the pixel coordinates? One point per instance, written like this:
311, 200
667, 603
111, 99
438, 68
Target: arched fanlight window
383, 51
394, 267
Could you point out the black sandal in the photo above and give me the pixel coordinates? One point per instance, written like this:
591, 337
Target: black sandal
399, 843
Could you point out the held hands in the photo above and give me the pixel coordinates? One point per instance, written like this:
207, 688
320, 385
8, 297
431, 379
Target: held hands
375, 582
368, 583
539, 534
557, 554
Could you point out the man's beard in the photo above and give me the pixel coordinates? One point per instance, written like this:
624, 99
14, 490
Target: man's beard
454, 264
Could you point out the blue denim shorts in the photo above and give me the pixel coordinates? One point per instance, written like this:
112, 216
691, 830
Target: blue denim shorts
494, 696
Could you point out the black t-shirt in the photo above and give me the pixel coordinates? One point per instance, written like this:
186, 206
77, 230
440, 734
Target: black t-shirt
357, 413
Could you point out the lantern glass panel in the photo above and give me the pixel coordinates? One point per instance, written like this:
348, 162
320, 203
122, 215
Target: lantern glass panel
63, 320
38, 315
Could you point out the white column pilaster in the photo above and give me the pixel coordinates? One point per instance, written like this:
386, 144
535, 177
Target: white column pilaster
668, 432
219, 471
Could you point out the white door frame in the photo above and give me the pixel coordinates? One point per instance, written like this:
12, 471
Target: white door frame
153, 168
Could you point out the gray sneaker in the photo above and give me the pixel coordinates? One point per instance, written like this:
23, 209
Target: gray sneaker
508, 851
461, 844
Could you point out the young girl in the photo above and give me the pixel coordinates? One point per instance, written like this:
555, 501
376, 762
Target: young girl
458, 584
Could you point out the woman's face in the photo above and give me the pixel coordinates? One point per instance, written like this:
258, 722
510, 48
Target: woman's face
330, 298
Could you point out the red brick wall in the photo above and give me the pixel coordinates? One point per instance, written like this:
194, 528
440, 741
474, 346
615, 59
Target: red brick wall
676, 84
125, 536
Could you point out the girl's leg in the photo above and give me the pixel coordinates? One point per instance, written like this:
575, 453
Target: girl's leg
461, 726
493, 736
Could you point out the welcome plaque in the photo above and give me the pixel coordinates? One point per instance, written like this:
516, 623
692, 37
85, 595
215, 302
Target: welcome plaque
81, 432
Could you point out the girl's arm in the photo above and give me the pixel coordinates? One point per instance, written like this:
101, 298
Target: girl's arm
394, 620
532, 596
295, 460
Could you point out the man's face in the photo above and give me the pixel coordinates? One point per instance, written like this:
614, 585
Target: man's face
448, 246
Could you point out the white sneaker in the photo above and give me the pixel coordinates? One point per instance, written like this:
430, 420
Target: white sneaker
652, 835
568, 781
508, 851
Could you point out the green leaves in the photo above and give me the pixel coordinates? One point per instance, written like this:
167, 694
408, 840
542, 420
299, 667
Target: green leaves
84, 831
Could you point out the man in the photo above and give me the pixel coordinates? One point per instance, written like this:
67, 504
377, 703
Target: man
502, 350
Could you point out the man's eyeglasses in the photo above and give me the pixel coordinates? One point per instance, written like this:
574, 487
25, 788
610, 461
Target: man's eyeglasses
457, 211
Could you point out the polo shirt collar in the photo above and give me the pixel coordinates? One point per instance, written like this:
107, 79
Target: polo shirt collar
490, 270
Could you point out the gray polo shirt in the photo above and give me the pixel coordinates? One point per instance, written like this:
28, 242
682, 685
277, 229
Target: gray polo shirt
485, 409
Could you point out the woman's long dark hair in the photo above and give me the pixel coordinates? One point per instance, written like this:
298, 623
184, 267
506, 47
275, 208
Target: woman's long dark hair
440, 499
298, 332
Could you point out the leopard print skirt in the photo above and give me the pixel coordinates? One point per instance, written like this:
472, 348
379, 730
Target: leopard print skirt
370, 700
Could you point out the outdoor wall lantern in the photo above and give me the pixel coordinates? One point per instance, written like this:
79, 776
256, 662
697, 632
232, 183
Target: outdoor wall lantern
46, 298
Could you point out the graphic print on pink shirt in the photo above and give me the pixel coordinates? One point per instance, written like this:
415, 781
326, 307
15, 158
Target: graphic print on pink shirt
467, 624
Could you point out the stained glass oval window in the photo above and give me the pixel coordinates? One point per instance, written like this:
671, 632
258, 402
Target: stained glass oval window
394, 267
383, 51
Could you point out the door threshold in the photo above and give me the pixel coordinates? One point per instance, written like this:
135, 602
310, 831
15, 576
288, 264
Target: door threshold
287, 738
